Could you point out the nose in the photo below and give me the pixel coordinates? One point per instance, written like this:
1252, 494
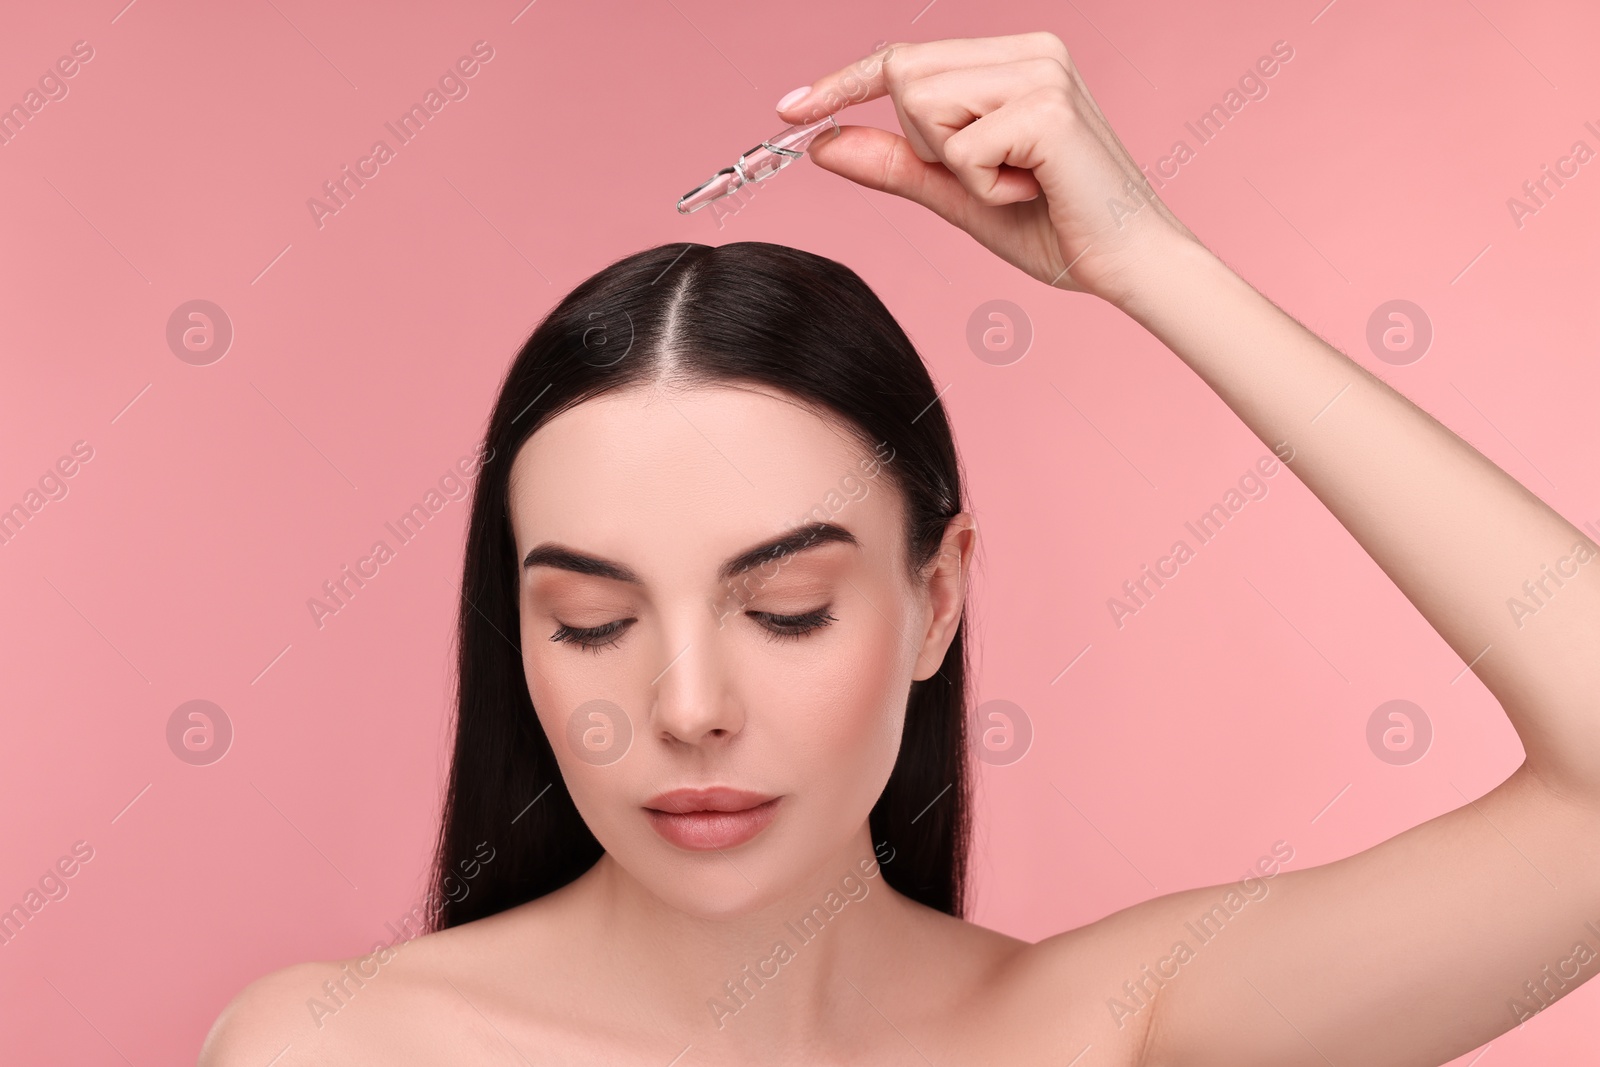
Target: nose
692, 698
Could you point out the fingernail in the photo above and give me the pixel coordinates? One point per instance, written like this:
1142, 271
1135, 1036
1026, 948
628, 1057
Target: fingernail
794, 96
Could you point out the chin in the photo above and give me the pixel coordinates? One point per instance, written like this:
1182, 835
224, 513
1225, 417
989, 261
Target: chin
719, 899
717, 884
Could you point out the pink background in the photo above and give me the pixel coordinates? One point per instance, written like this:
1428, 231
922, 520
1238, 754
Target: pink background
1223, 717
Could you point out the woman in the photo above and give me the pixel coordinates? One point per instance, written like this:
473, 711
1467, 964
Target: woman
709, 804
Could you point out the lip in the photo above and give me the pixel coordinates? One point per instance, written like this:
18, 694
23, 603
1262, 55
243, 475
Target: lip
702, 820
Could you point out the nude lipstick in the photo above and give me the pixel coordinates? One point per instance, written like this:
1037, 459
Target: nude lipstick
705, 819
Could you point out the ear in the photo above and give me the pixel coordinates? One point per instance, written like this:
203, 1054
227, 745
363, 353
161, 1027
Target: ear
946, 589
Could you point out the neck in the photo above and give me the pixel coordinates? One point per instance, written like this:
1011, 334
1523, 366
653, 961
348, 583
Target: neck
772, 974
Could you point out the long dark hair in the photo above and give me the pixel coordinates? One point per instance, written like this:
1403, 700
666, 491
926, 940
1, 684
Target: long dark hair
749, 312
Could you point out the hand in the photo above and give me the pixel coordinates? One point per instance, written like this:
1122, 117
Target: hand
1003, 140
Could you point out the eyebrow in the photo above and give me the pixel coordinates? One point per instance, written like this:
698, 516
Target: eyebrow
811, 535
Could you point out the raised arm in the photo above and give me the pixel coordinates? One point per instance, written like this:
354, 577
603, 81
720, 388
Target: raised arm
1421, 947
1442, 937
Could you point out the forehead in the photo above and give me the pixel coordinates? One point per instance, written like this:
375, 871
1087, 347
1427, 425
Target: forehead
663, 477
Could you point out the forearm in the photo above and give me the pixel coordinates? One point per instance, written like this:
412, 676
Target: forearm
1457, 534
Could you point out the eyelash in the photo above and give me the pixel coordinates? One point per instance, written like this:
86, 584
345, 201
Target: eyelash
792, 627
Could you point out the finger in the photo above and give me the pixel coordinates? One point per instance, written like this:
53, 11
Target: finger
896, 64
913, 132
941, 105
884, 161
856, 83
1042, 132
995, 157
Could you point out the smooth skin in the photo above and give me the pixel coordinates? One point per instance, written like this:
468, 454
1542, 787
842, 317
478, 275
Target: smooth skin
1406, 953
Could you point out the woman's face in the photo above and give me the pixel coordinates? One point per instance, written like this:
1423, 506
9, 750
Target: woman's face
788, 679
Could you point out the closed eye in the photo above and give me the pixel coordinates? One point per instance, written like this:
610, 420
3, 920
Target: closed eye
777, 627
593, 638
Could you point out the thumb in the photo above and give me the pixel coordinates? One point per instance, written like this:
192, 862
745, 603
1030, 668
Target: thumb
886, 161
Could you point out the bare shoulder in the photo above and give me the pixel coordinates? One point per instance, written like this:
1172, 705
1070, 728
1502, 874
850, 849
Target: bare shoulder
405, 1000
1113, 969
995, 998
345, 1011
263, 1018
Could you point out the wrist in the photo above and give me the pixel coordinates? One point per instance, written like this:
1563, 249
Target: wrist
1168, 264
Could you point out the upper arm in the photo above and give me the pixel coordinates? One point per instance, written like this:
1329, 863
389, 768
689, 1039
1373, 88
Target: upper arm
262, 1019
1416, 950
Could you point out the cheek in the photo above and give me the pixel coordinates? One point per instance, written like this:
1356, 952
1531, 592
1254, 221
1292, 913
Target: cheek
598, 781
592, 748
848, 709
